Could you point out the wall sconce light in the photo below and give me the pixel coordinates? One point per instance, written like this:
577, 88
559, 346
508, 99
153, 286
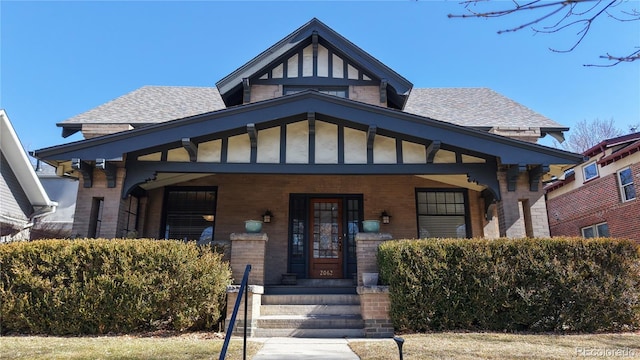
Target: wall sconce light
266, 217
386, 218
208, 217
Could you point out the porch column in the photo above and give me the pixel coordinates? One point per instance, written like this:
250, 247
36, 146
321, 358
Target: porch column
248, 248
254, 298
100, 195
374, 307
367, 252
522, 213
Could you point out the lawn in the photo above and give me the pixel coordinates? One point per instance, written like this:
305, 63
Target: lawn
417, 346
186, 346
463, 346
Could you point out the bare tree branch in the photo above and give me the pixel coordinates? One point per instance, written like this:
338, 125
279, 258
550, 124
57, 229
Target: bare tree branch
559, 16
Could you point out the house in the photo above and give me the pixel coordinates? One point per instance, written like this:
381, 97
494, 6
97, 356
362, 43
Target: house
317, 135
22, 197
599, 197
62, 189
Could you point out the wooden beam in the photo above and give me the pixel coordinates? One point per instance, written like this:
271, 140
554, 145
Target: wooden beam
246, 91
191, 148
110, 171
85, 169
253, 138
535, 173
432, 149
311, 118
513, 172
371, 135
253, 135
383, 91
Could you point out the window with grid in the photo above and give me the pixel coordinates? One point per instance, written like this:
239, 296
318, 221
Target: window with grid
190, 214
442, 213
627, 189
597, 230
131, 217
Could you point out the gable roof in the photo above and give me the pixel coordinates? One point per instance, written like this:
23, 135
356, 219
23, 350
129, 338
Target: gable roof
480, 108
148, 105
231, 84
114, 145
20, 165
475, 107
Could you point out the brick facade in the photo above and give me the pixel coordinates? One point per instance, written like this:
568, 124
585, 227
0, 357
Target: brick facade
595, 202
522, 212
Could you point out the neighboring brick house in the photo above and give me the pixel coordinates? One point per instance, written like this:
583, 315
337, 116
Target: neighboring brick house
22, 198
599, 196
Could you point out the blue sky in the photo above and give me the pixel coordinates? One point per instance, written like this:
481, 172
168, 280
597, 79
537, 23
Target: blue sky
59, 59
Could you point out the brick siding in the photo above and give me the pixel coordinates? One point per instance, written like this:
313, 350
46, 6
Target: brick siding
595, 202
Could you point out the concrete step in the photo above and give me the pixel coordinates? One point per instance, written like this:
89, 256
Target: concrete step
310, 333
304, 289
310, 322
310, 309
311, 299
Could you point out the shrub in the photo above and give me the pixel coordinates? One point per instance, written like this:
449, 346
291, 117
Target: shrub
100, 286
539, 285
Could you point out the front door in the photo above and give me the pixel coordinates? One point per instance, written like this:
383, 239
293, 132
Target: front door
326, 238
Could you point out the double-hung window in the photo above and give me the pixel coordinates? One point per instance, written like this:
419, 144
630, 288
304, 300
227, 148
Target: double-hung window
189, 213
597, 230
442, 213
627, 188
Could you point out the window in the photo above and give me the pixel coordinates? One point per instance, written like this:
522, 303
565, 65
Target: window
590, 171
190, 214
95, 219
131, 217
442, 213
597, 230
627, 190
342, 92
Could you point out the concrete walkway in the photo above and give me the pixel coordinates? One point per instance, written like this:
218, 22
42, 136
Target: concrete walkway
304, 348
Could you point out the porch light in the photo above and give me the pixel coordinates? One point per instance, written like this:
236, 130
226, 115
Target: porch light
385, 217
208, 217
266, 217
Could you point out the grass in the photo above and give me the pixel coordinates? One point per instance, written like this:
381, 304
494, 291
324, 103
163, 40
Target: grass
186, 346
464, 346
461, 346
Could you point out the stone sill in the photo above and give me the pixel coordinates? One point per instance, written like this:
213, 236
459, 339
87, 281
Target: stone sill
254, 289
377, 289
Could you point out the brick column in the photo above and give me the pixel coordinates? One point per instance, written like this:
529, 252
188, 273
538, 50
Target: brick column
250, 249
367, 252
374, 307
522, 212
254, 294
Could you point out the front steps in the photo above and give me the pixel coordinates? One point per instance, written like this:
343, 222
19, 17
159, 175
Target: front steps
314, 308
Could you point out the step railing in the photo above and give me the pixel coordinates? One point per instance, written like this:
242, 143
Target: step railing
236, 307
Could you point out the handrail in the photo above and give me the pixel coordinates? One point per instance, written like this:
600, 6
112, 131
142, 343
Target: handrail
227, 336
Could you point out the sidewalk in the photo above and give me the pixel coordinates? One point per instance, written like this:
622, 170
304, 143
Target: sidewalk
304, 348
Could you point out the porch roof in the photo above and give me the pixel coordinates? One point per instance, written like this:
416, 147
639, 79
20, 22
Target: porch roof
114, 146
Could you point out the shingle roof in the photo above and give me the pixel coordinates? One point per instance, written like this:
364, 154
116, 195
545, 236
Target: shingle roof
473, 107
152, 104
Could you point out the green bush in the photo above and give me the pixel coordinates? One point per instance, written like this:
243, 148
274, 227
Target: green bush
97, 286
537, 285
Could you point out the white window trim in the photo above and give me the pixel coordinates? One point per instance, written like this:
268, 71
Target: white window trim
621, 186
584, 174
595, 229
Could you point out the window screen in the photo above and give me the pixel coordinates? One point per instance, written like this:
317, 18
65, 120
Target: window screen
190, 214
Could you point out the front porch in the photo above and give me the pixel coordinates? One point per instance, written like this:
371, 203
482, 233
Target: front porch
310, 307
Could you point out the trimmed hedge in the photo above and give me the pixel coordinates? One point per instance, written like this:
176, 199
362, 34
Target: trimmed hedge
98, 286
536, 285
